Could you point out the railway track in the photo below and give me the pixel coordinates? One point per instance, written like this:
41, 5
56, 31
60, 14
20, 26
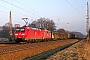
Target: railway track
21, 51
46, 54
19, 47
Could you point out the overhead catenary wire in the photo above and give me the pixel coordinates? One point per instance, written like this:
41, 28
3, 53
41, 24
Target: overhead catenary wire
74, 8
70, 11
14, 6
20, 8
28, 7
8, 13
16, 12
4, 12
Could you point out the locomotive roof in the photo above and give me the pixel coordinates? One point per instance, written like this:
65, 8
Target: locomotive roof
37, 28
32, 28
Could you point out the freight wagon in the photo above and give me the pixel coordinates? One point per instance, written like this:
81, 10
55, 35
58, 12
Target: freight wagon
60, 35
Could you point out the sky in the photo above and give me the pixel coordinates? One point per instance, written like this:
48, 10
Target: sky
67, 14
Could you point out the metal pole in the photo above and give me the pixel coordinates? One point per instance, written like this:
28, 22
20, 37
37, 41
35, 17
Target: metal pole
51, 29
87, 23
10, 26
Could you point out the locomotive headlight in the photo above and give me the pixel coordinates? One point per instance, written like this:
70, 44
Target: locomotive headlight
16, 34
23, 34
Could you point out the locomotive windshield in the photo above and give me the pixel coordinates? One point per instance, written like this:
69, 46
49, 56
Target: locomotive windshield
20, 30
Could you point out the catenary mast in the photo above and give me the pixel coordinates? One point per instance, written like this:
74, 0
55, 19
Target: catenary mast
10, 27
87, 23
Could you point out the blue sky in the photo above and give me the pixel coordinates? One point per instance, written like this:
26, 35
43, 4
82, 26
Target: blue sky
67, 14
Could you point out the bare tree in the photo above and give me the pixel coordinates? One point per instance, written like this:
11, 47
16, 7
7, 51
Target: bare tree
45, 23
4, 32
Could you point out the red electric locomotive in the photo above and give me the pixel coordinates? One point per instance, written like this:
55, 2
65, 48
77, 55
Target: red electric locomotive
29, 34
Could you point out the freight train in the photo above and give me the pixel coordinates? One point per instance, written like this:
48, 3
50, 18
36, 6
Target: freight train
29, 34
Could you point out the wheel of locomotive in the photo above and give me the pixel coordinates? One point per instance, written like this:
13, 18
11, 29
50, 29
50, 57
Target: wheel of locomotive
17, 41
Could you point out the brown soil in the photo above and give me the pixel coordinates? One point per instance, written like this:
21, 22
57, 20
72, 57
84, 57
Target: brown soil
2, 45
78, 51
86, 50
20, 55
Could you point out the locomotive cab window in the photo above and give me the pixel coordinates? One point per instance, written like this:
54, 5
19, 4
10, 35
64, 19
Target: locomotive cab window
20, 30
17, 30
